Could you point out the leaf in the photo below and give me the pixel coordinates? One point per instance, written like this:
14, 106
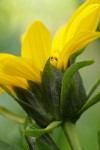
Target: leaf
74, 56
72, 91
44, 142
25, 144
51, 84
36, 89
42, 146
34, 138
35, 112
93, 88
32, 129
16, 99
90, 103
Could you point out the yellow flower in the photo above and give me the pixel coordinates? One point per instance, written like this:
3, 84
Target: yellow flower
37, 47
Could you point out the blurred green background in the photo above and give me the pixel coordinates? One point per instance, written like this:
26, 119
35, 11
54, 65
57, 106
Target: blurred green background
15, 16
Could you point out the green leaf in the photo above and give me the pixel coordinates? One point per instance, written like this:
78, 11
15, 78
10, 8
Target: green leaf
90, 103
73, 94
25, 144
44, 142
32, 132
31, 141
74, 56
94, 86
36, 112
41, 146
51, 84
32, 129
15, 98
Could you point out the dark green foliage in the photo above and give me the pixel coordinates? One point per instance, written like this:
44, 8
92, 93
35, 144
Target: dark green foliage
36, 111
95, 99
32, 129
76, 97
32, 134
44, 142
73, 95
51, 84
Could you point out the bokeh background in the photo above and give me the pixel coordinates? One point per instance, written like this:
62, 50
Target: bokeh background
15, 16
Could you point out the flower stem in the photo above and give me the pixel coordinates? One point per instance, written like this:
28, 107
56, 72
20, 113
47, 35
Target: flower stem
71, 134
11, 116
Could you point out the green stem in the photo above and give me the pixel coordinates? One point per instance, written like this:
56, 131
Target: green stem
71, 134
6, 113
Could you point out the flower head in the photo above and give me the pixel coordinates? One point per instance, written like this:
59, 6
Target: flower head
25, 75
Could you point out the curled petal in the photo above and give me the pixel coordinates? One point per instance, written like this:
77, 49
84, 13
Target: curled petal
80, 41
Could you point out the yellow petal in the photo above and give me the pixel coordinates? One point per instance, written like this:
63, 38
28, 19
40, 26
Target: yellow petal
78, 13
87, 19
5, 56
7, 79
1, 90
36, 44
58, 40
78, 42
21, 67
8, 87
93, 1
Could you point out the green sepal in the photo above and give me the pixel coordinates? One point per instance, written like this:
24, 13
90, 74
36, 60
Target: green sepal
15, 98
90, 103
33, 134
74, 56
22, 133
73, 94
31, 141
43, 142
36, 112
36, 90
93, 88
32, 129
51, 84
40, 145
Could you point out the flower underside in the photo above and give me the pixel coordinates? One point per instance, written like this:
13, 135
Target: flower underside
43, 62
